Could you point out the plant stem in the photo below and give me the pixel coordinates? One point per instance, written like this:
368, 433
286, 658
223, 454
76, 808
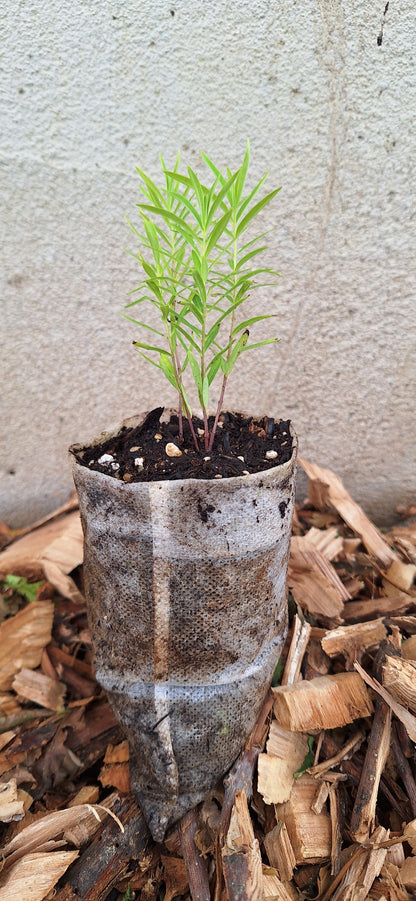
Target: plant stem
217, 415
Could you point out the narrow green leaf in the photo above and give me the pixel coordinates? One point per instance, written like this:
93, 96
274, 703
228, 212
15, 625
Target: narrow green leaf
166, 365
211, 336
205, 392
249, 322
262, 343
213, 368
255, 210
308, 760
211, 165
142, 324
196, 372
217, 231
235, 353
144, 346
248, 256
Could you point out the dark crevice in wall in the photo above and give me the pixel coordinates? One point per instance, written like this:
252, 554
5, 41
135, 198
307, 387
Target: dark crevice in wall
380, 36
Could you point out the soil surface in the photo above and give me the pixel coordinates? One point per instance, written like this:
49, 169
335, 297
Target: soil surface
153, 451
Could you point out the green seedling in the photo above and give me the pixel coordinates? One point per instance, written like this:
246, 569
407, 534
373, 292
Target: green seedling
27, 590
199, 263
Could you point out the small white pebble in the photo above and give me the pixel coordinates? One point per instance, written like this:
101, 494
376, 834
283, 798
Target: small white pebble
220, 425
271, 455
242, 458
158, 436
206, 459
91, 463
106, 458
218, 476
172, 450
245, 472
139, 462
115, 466
133, 449
201, 432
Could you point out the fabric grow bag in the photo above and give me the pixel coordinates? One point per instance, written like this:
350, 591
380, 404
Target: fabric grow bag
186, 593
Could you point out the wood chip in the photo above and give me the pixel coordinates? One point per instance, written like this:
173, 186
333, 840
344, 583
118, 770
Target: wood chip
401, 575
352, 641
23, 638
399, 677
334, 492
309, 833
115, 771
50, 552
40, 689
286, 752
326, 702
276, 890
280, 852
241, 856
11, 805
33, 877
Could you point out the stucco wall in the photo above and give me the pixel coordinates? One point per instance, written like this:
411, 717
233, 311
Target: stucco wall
326, 92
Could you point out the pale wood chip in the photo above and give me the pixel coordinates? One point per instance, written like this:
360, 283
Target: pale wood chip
23, 638
364, 869
40, 689
280, 852
277, 890
50, 552
399, 677
349, 641
408, 720
11, 806
6, 737
328, 541
35, 875
309, 833
285, 754
401, 575
332, 489
326, 702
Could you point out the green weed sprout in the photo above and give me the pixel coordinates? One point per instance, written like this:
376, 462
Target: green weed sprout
199, 266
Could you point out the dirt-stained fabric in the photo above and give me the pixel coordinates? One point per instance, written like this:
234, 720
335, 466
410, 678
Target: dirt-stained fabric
186, 592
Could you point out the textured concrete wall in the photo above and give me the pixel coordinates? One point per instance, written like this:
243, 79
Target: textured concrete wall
326, 92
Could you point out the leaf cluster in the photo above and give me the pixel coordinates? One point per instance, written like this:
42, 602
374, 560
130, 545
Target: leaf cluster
199, 265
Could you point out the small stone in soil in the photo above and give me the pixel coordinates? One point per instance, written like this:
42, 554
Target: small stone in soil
139, 462
106, 458
158, 437
172, 450
133, 449
115, 466
271, 455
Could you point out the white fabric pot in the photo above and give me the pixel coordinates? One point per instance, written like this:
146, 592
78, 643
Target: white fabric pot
186, 593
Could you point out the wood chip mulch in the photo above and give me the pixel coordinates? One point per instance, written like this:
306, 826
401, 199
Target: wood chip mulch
321, 804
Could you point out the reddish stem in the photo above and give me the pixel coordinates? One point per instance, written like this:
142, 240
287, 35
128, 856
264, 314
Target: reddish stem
195, 439
217, 415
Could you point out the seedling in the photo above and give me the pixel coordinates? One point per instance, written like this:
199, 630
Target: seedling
199, 266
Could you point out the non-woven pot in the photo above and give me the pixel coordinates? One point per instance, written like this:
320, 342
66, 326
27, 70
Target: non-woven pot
186, 593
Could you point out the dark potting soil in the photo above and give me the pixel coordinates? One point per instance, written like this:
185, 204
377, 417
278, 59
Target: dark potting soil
242, 445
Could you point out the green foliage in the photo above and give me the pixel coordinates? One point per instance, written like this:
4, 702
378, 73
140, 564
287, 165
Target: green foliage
127, 895
198, 267
308, 761
28, 590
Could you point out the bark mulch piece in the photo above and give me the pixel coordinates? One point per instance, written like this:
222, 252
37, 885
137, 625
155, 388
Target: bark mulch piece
322, 801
